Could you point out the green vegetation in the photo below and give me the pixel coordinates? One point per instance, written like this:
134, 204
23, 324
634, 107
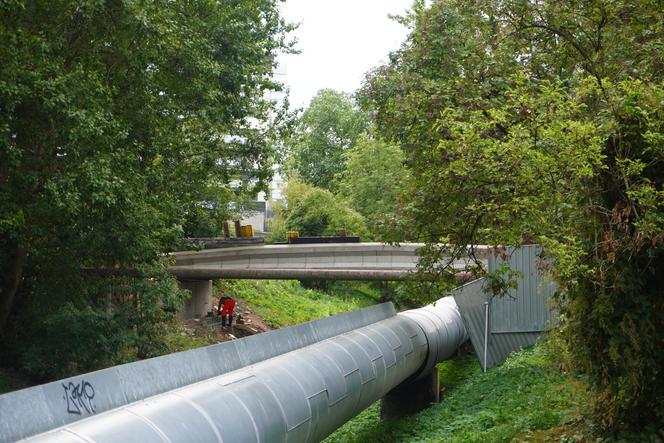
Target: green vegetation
544, 124
372, 181
340, 175
285, 303
5, 383
314, 211
523, 396
329, 126
118, 122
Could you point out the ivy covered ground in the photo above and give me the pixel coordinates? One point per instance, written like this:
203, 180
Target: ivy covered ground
517, 400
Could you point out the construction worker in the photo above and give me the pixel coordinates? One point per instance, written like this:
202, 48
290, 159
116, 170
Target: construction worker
225, 307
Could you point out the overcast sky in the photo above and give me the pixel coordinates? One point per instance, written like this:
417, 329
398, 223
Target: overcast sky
340, 40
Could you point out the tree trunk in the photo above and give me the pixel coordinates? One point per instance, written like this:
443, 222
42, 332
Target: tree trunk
12, 283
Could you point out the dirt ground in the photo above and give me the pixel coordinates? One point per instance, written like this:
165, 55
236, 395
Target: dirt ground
245, 323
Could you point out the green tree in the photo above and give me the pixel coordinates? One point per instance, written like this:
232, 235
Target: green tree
114, 117
314, 212
326, 130
373, 178
544, 124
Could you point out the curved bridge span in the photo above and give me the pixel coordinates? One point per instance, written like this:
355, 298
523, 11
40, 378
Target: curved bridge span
195, 270
341, 261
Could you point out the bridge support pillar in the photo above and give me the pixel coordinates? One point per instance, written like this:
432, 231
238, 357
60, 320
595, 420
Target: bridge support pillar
201, 298
409, 398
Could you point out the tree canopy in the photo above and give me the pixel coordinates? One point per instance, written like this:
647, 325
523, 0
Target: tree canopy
544, 124
329, 126
372, 180
115, 118
313, 211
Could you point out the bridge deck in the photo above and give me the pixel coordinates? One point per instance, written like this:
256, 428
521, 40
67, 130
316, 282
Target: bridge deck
343, 261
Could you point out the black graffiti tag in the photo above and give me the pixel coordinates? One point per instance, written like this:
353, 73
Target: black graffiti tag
79, 397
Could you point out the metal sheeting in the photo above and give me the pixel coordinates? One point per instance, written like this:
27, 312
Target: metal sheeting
470, 299
523, 309
38, 409
516, 320
300, 396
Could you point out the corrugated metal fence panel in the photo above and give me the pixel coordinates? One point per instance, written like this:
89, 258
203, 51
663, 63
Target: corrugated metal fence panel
525, 308
516, 320
470, 298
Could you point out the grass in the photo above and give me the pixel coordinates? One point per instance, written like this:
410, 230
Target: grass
285, 303
512, 402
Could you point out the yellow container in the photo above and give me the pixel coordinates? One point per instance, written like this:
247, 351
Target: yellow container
246, 231
292, 234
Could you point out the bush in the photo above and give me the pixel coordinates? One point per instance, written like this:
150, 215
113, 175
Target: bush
95, 322
320, 213
74, 340
313, 212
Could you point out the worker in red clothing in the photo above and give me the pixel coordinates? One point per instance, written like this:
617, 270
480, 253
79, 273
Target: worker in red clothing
225, 307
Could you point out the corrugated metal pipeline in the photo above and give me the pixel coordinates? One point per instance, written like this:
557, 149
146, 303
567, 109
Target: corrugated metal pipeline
302, 395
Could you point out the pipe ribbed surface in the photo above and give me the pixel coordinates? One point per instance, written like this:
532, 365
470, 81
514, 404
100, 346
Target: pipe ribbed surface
443, 327
303, 395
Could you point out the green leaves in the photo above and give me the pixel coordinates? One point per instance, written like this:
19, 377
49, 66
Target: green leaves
543, 124
325, 131
314, 212
372, 181
118, 120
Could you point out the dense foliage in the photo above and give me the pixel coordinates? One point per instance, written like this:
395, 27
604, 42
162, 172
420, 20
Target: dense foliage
545, 124
117, 120
329, 126
332, 148
372, 180
313, 211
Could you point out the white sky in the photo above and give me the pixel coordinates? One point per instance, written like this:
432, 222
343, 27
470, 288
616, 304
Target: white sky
340, 41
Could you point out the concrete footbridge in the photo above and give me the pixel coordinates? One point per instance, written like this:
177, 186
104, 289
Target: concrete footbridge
333, 261
323, 261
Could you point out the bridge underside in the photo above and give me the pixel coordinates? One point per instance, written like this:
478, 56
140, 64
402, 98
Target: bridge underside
202, 273
333, 261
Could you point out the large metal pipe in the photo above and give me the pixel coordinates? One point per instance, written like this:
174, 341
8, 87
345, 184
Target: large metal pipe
302, 395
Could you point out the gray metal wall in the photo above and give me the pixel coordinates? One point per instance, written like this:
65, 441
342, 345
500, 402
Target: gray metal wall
525, 308
515, 321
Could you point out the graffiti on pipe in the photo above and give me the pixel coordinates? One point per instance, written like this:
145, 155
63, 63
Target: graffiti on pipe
79, 397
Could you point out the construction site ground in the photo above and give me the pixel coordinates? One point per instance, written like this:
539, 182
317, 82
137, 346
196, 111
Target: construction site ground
210, 329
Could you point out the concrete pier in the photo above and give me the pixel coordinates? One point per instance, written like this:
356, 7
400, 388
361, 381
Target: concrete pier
409, 398
201, 298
